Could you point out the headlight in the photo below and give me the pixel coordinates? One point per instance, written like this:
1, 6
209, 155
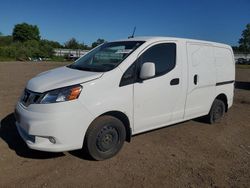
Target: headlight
61, 95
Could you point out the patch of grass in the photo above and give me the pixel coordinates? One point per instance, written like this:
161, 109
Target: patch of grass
57, 58
53, 59
7, 59
243, 66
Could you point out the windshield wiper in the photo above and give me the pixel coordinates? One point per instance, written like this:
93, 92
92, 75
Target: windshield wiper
86, 68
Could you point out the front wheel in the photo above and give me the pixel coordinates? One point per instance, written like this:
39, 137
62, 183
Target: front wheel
216, 112
104, 137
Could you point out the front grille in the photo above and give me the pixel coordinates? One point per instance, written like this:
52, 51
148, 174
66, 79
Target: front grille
30, 97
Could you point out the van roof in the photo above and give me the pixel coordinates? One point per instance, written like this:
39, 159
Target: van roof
159, 38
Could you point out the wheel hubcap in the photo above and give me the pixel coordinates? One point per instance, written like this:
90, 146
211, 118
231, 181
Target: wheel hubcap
107, 138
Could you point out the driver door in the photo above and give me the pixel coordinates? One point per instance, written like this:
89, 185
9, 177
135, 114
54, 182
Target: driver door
160, 99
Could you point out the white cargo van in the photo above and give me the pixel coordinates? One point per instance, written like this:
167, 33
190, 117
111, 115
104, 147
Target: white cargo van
123, 88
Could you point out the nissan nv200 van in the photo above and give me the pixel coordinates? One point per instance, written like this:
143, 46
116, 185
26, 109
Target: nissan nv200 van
123, 88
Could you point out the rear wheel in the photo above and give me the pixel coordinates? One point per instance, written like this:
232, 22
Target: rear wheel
217, 111
104, 137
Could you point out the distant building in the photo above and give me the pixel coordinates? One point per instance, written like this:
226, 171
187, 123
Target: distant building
69, 52
238, 56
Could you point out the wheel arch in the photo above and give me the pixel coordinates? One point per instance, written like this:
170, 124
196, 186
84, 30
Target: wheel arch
124, 119
224, 99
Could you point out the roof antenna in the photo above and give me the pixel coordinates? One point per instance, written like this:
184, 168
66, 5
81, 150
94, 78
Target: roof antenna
132, 36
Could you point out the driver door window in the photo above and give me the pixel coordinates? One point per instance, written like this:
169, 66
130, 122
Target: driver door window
163, 55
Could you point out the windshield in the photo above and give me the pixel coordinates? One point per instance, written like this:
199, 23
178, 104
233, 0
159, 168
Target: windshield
106, 57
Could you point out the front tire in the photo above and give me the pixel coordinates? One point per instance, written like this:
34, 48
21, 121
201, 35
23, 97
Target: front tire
105, 137
217, 111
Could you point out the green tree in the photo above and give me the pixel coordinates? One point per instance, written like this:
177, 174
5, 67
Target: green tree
51, 43
6, 40
46, 48
244, 41
83, 46
1, 34
235, 48
24, 32
97, 42
72, 44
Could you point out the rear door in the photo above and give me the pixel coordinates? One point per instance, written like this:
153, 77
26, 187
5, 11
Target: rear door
159, 100
201, 79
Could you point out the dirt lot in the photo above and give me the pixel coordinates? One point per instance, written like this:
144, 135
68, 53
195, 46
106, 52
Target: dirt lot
189, 154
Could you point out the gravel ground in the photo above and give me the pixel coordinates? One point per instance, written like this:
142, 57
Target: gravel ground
189, 154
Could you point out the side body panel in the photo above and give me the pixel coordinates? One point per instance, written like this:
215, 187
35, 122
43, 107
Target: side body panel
157, 103
225, 72
201, 79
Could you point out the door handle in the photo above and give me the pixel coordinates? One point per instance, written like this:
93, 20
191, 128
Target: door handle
195, 79
175, 81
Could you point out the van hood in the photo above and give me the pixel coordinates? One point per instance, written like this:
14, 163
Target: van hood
60, 77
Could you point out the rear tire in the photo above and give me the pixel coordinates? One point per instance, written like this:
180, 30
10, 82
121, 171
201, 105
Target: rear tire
105, 137
217, 111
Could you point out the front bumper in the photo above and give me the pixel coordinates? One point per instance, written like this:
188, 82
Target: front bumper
53, 127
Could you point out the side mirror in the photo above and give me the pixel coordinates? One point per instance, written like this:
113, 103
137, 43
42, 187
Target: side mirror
147, 70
